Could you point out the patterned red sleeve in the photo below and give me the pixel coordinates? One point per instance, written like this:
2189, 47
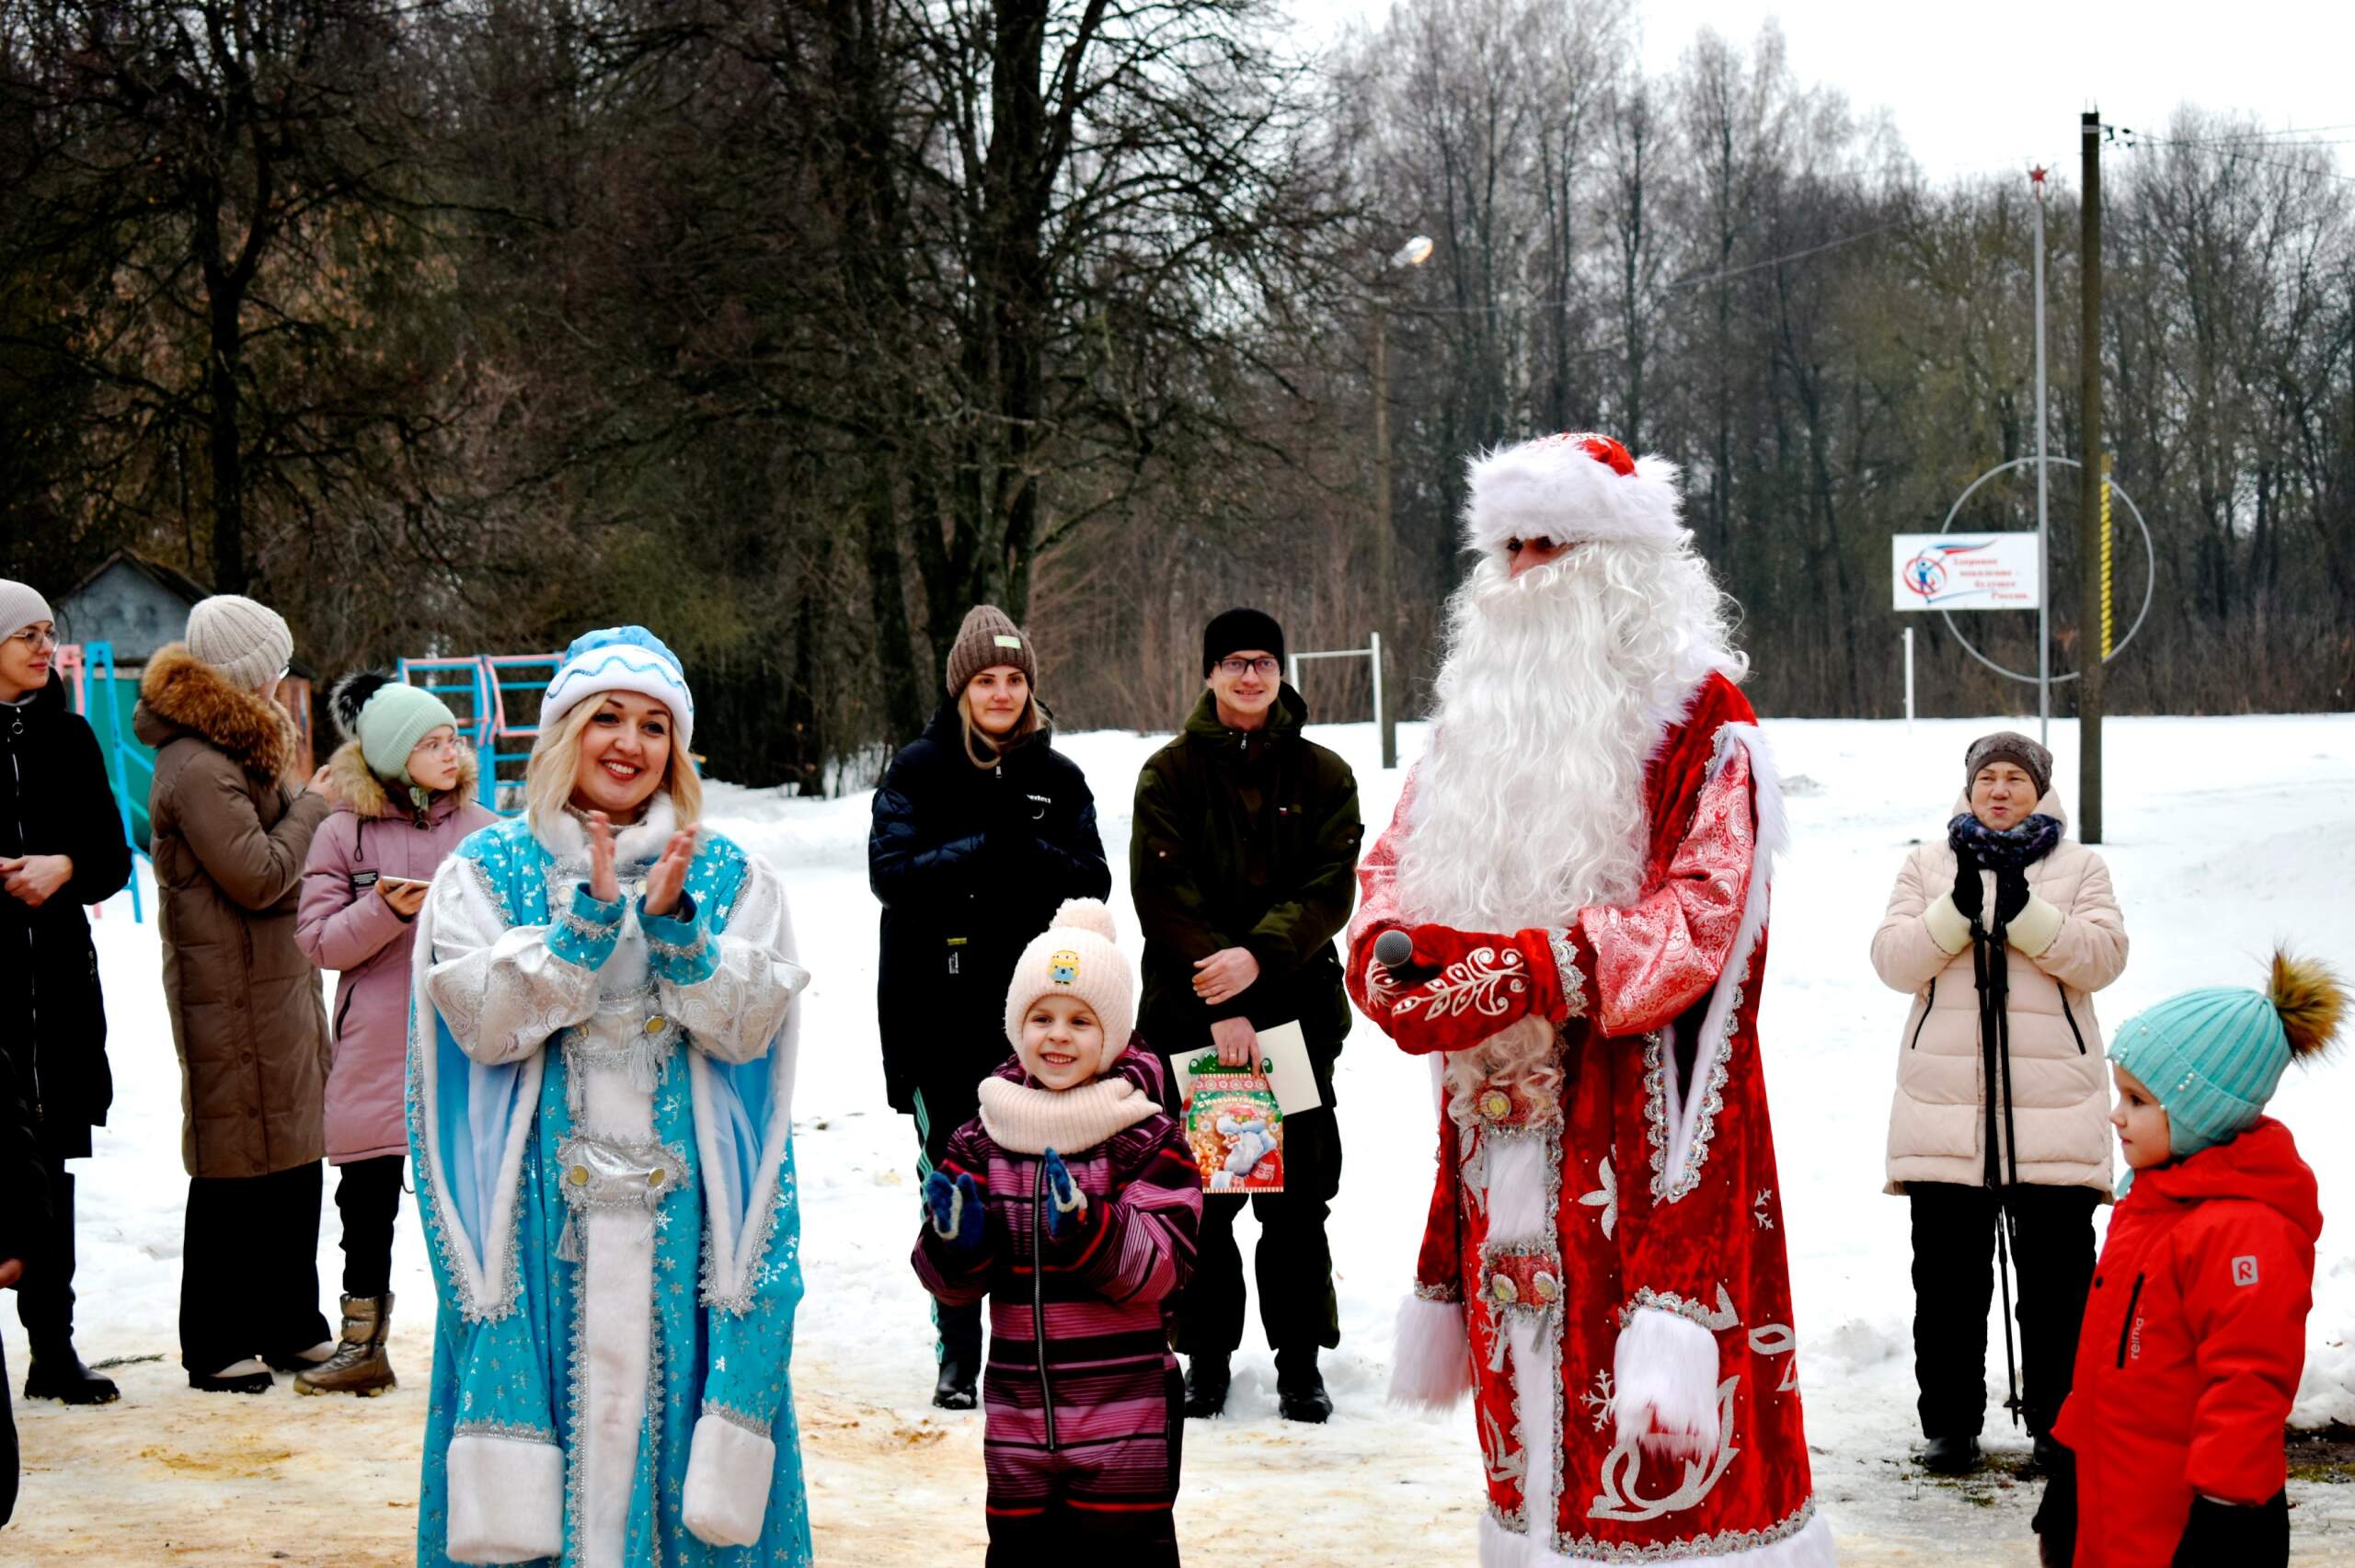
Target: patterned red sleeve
1654, 959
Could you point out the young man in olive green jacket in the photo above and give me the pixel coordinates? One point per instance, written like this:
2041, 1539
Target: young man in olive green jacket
1242, 861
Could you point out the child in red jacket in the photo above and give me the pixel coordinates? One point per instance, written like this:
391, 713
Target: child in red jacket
2195, 1330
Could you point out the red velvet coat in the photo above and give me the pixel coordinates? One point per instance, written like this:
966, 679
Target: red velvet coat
1644, 1277
2195, 1336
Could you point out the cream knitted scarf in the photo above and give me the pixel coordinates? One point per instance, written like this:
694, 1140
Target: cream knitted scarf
1030, 1120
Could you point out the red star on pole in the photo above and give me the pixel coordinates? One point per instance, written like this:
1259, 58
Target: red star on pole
2036, 178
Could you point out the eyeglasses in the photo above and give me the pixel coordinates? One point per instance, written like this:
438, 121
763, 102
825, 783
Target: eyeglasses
36, 636
449, 743
1239, 668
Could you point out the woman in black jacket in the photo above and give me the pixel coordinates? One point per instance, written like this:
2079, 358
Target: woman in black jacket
61, 847
981, 831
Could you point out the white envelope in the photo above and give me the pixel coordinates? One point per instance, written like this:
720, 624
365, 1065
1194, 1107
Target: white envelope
1290, 1076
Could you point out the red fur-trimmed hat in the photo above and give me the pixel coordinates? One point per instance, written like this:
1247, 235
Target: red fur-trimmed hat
1569, 487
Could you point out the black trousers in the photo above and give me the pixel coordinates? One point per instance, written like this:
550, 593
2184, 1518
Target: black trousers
368, 1195
941, 1109
1293, 1264
249, 1268
7, 1444
45, 1300
1954, 1280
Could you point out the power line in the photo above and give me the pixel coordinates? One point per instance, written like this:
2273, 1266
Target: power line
1691, 281
2136, 136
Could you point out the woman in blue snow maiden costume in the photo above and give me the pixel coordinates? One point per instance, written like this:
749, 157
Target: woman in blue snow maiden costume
601, 1079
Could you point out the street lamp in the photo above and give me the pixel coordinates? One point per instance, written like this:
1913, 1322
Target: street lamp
1414, 252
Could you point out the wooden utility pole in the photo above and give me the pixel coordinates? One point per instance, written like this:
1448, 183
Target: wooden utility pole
2091, 523
1386, 566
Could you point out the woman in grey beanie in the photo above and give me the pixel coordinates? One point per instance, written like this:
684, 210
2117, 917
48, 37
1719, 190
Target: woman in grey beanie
229, 833
60, 848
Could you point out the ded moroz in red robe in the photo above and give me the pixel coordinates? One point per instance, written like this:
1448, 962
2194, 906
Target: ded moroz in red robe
1612, 1271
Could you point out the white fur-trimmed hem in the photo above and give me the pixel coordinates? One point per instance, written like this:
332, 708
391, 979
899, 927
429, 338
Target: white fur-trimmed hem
1664, 1380
506, 1499
1808, 1546
1431, 1356
730, 1472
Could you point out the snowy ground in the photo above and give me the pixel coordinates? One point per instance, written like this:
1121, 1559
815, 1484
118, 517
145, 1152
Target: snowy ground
2223, 834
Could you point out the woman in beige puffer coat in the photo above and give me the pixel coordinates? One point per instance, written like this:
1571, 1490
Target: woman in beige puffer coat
2060, 937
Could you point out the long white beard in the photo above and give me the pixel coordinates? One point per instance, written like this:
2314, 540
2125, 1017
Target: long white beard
1557, 687
1529, 804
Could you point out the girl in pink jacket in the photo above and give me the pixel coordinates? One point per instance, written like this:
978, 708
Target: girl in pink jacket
405, 785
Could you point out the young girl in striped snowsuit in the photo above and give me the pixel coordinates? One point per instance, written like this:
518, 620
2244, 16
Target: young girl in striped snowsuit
1072, 1203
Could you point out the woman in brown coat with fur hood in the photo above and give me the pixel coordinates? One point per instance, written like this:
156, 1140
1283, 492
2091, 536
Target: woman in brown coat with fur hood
229, 835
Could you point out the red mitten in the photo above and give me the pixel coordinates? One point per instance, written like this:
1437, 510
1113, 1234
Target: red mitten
1483, 983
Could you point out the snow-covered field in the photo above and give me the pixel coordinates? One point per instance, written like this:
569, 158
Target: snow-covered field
2223, 835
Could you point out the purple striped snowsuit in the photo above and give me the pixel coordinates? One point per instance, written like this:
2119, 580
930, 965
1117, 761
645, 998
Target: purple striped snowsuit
1084, 1400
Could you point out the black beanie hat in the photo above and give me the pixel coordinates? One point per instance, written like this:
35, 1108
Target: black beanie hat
1238, 629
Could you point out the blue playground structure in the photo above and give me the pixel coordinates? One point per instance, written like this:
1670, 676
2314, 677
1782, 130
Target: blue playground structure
99, 697
495, 697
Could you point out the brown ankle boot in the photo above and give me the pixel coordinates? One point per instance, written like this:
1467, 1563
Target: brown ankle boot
358, 1365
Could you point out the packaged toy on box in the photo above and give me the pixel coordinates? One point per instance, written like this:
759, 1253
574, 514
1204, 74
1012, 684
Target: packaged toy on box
1234, 1127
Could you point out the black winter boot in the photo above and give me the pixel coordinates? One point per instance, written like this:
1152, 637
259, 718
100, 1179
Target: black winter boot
1951, 1456
57, 1373
1300, 1387
1207, 1380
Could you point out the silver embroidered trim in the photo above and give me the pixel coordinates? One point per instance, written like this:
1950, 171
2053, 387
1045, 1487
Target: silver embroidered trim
1544, 1251
1715, 1320
619, 1172
1723, 1544
735, 1417
516, 1431
1665, 1189
488, 889
753, 1247
1452, 1294
1565, 969
587, 930
509, 1286
680, 951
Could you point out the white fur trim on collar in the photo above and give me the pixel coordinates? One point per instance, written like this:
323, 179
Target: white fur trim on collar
568, 839
1554, 488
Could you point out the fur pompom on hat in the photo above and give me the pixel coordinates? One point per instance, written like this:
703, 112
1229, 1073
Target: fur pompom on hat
1078, 955
2213, 1057
622, 658
388, 717
1571, 488
988, 637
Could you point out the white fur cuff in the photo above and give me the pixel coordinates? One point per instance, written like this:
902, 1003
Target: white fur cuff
1664, 1377
730, 1472
1430, 1359
1949, 928
506, 1499
2034, 928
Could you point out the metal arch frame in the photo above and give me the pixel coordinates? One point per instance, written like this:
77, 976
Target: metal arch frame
2150, 573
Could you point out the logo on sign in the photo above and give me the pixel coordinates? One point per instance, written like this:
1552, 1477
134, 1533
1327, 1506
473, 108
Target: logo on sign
2244, 1271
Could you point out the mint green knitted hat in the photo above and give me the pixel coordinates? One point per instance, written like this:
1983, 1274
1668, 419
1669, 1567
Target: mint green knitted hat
2214, 1057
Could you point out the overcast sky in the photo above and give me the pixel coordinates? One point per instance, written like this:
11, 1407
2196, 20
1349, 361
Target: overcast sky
1996, 85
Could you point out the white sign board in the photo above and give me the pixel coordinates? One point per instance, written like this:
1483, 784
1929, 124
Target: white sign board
1965, 571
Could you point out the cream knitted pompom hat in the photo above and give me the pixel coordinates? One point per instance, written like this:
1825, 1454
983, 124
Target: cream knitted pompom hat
1078, 955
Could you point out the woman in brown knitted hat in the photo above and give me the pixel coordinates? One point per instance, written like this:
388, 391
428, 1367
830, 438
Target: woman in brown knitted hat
981, 831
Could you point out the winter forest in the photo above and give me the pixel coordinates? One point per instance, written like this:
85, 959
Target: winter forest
794, 328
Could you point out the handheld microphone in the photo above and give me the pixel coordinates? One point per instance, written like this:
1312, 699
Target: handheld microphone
1393, 950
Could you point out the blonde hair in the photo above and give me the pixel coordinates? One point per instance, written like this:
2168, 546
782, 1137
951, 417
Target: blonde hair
985, 751
555, 761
